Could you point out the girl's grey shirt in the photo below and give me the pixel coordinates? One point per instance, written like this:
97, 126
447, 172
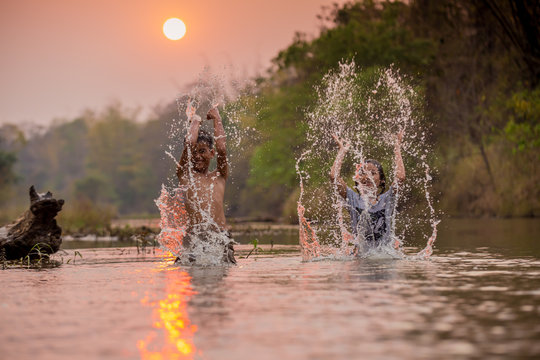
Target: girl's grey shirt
378, 227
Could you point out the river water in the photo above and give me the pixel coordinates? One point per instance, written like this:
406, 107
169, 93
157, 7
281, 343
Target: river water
477, 297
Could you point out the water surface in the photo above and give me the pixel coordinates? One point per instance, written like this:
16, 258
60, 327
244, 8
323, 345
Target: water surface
478, 297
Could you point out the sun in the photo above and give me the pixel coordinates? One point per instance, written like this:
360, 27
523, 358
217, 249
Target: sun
174, 29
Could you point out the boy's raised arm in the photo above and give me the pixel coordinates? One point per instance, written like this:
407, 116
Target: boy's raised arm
220, 138
336, 168
191, 141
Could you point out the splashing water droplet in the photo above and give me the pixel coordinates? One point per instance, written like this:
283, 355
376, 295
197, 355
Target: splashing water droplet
199, 239
365, 109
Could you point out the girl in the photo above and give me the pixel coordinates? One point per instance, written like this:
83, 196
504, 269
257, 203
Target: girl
370, 207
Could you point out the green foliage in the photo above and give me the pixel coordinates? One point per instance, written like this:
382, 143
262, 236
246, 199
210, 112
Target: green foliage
7, 172
523, 128
83, 215
280, 123
10, 140
7, 161
256, 248
524, 136
368, 32
95, 186
467, 189
41, 252
40, 256
115, 153
375, 35
55, 158
108, 157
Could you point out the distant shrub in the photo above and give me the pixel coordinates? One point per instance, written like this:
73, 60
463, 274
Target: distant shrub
83, 215
466, 189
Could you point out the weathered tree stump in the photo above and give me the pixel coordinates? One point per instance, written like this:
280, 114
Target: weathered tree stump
35, 229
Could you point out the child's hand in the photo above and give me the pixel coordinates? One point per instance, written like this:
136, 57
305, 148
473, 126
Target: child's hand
344, 145
191, 109
213, 114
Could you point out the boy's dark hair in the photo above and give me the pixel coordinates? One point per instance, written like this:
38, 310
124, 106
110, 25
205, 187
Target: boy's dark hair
379, 167
206, 137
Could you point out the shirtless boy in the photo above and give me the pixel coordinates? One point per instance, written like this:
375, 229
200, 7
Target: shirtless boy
204, 189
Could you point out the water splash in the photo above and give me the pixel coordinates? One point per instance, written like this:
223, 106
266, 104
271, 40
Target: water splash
367, 109
309, 243
428, 250
173, 221
204, 241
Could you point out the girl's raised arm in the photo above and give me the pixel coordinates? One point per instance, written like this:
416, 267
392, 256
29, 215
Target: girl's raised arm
336, 168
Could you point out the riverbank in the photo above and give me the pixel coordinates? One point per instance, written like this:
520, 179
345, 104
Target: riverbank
142, 233
495, 233
235, 226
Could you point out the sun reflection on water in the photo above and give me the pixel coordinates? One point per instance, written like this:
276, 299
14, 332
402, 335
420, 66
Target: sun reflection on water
173, 332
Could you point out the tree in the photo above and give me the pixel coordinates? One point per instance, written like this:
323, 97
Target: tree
11, 138
116, 154
520, 29
373, 34
7, 175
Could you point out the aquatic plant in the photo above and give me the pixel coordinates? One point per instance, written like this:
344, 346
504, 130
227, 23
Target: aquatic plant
75, 254
144, 239
38, 257
256, 247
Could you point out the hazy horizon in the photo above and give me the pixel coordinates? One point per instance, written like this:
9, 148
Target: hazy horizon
62, 58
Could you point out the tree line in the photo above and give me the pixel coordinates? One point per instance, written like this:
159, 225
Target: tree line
476, 65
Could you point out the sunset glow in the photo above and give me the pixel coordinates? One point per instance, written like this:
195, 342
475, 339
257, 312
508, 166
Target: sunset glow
173, 332
174, 29
132, 33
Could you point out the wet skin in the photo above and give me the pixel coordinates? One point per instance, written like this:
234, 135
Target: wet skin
207, 190
204, 190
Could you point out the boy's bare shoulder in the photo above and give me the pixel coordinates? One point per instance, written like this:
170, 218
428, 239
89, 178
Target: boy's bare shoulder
210, 177
215, 175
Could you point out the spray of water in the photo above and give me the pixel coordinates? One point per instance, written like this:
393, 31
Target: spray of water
366, 109
203, 242
309, 242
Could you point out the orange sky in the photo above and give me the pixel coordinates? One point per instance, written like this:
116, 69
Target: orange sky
62, 56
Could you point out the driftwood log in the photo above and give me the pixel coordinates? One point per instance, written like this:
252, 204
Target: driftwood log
34, 230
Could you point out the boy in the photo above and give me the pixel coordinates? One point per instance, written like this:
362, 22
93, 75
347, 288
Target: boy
204, 190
